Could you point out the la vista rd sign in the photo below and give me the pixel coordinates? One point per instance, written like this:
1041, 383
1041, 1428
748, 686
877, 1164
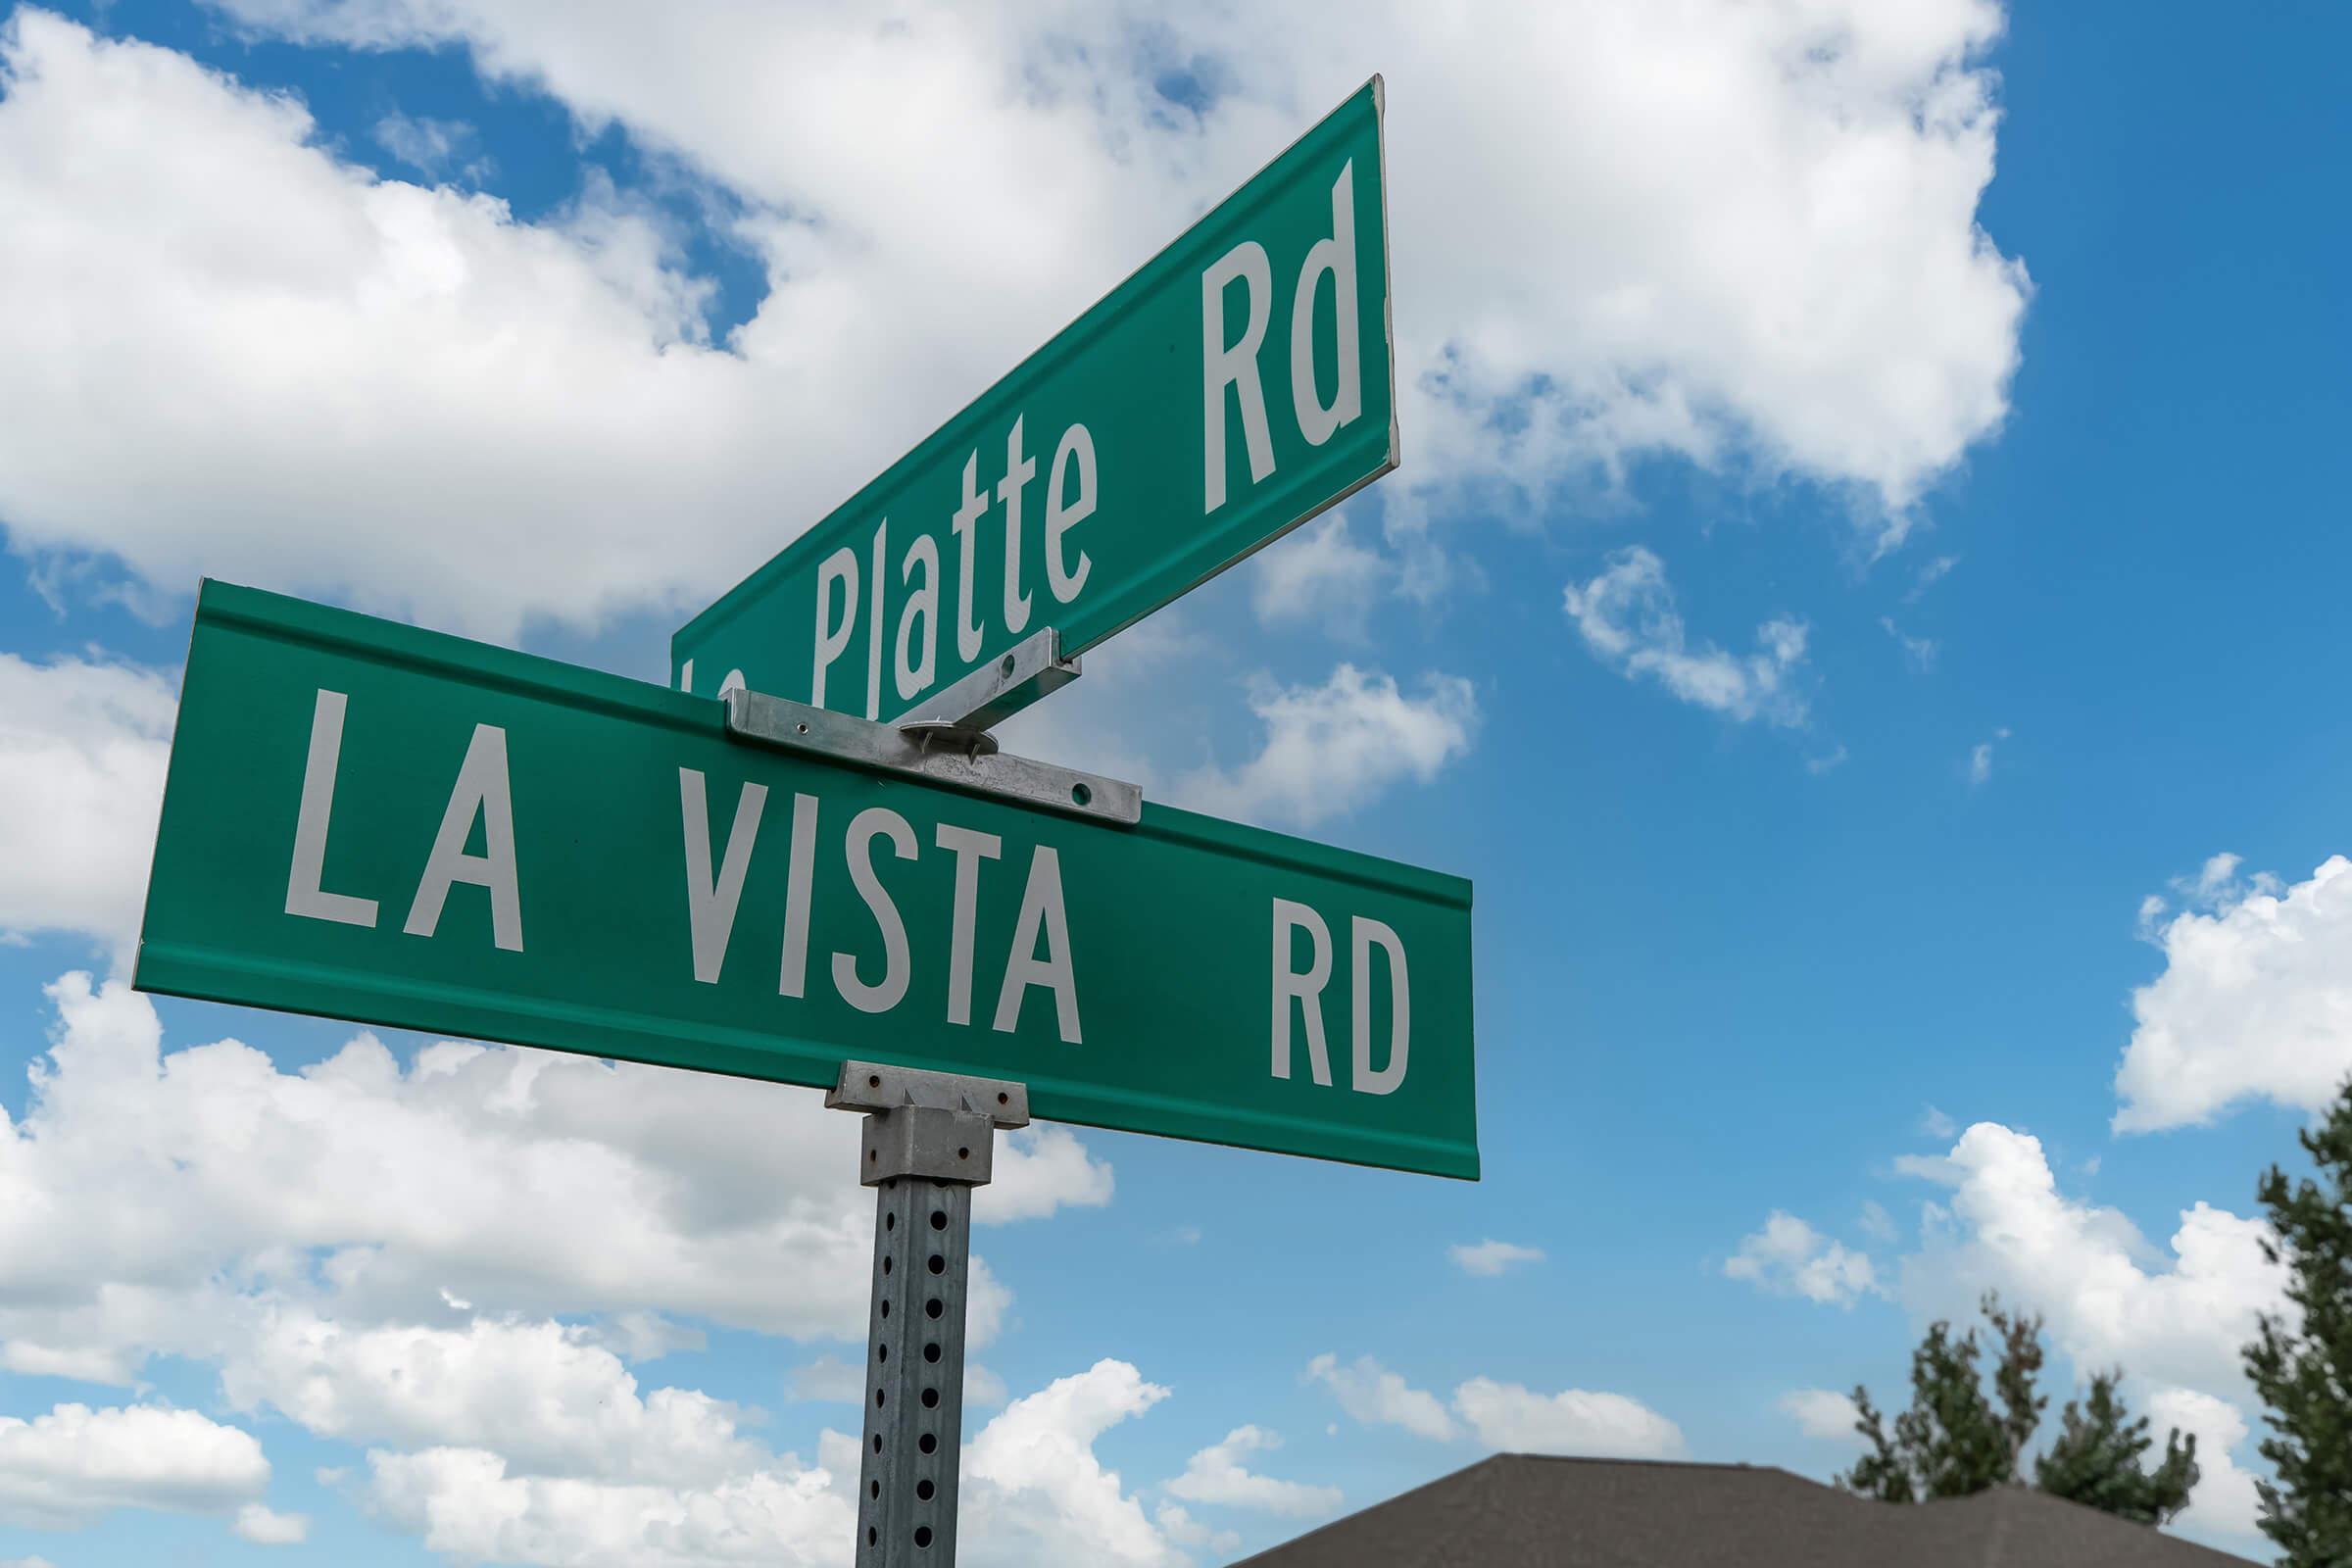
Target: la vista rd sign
374, 822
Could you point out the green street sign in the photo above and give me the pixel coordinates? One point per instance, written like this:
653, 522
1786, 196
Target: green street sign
1234, 386
370, 821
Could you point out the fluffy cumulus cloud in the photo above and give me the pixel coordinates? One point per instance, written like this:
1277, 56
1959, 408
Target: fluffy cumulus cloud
2111, 1297
376, 1254
1039, 1169
1320, 573
1789, 1257
1329, 749
1378, 1396
1822, 1414
1183, 1530
1628, 618
436, 148
1490, 1258
1507, 1417
467, 1505
534, 1391
83, 747
264, 1526
1791, 279
1502, 1416
830, 1380
485, 412
1034, 1490
2255, 1001
65, 1469
1220, 1474
2224, 1507
513, 1181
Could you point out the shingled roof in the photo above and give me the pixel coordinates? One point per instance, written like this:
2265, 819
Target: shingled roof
1519, 1511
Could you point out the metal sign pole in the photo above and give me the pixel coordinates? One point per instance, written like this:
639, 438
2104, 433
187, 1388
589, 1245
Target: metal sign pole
930, 1138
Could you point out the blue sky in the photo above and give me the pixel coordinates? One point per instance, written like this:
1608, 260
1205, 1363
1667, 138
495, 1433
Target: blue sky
2048, 470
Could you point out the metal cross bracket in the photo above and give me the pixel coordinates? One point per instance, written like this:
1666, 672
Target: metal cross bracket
994, 692
930, 1138
776, 721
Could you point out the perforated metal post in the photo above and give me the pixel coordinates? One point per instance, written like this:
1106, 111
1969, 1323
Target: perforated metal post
930, 1138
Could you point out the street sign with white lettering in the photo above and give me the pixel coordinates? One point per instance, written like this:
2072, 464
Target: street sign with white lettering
370, 821
1237, 386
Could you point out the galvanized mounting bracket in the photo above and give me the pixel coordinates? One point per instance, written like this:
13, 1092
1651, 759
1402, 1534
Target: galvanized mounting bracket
936, 1125
947, 759
996, 691
929, 1140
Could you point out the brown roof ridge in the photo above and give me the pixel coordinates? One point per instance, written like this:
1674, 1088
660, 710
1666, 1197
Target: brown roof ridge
1656, 1464
1493, 1460
1346, 1518
2004, 1497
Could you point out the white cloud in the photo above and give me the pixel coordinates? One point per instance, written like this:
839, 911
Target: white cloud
1038, 1169
1332, 748
1938, 1124
982, 1389
1036, 1494
1490, 1257
61, 1470
372, 1253
632, 1336
1789, 1257
1374, 1395
488, 411
2255, 1001
434, 148
1033, 1493
2224, 1507
2214, 890
1502, 1415
1920, 652
1876, 1222
1628, 618
1822, 1414
154, 1203
2111, 1299
1319, 573
1507, 1417
265, 1526
1792, 281
1219, 1474
1934, 573
1980, 758
831, 1380
535, 1393
1183, 1530
467, 1505
82, 749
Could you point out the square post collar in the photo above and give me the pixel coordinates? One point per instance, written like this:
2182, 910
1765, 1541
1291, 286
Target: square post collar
877, 1088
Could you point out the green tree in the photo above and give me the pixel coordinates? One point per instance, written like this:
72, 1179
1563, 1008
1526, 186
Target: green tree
1951, 1442
2301, 1362
2013, 1377
2095, 1459
1956, 1438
